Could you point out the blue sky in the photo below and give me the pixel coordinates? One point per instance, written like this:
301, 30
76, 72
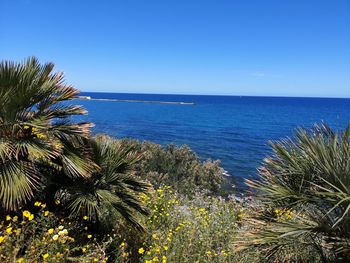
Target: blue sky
235, 47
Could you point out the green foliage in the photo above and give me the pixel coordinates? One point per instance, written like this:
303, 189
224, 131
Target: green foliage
44, 154
179, 167
304, 189
34, 129
111, 190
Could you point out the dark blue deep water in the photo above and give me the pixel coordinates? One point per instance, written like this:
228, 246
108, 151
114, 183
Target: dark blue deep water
233, 129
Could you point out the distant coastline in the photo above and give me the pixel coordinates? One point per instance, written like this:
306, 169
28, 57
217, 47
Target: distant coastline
138, 101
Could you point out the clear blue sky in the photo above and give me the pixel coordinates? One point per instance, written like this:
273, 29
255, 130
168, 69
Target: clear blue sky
238, 47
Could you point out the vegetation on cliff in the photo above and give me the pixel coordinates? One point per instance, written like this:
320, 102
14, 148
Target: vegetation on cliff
68, 196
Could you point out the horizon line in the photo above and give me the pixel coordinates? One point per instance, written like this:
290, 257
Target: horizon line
220, 95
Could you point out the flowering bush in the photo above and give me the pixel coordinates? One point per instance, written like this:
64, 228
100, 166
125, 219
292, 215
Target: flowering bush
40, 236
202, 229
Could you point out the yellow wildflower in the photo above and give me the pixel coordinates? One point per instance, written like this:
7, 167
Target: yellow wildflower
57, 202
15, 218
55, 237
50, 231
89, 236
41, 135
58, 146
60, 227
83, 249
8, 218
155, 259
85, 217
141, 250
37, 203
46, 213
122, 244
165, 248
1, 239
45, 256
164, 259
9, 230
26, 213
20, 260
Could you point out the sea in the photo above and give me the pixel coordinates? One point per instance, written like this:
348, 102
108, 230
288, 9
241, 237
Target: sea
233, 129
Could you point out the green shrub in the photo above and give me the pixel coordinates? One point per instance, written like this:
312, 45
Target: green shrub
178, 167
304, 190
112, 191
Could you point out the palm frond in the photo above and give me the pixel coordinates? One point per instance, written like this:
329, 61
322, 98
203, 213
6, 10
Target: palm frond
35, 125
309, 175
111, 190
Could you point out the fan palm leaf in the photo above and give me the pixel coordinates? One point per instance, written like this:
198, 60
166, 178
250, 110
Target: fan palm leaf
304, 190
35, 128
112, 189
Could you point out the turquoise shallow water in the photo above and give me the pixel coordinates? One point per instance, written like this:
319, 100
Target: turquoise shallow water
234, 129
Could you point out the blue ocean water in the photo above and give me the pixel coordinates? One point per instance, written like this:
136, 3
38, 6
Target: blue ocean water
233, 129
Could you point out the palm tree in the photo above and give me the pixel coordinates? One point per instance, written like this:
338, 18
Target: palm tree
112, 190
35, 132
304, 189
